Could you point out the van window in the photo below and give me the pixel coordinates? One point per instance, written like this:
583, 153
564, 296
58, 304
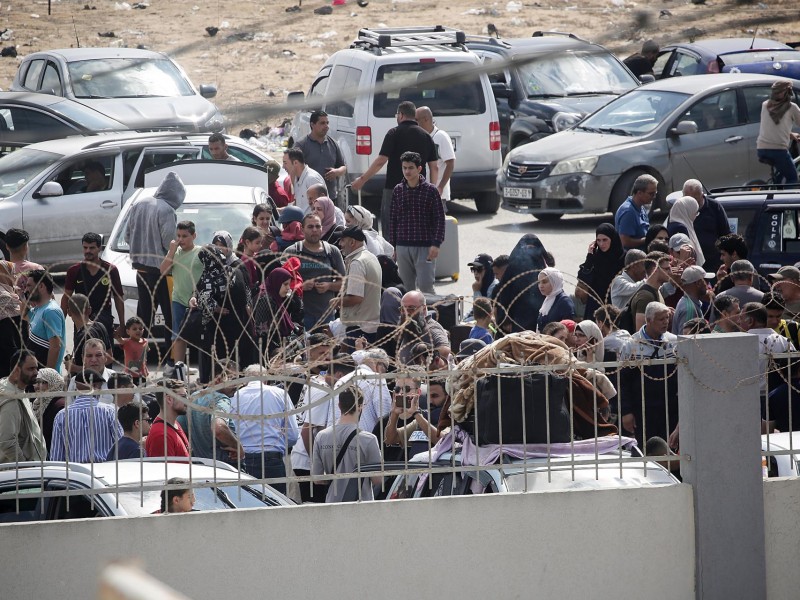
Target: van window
781, 232
444, 98
319, 87
343, 79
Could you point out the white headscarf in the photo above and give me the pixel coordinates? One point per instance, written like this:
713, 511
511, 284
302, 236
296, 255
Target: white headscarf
592, 331
684, 212
556, 279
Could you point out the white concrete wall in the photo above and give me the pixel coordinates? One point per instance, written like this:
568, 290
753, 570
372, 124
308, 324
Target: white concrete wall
782, 534
585, 544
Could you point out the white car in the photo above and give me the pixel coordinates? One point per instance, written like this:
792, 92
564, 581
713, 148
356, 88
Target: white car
122, 488
220, 195
782, 465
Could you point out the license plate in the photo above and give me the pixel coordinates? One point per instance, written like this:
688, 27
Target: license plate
159, 320
514, 192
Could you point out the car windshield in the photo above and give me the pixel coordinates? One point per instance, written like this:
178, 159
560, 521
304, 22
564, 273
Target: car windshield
636, 113
757, 56
574, 74
207, 498
18, 168
127, 78
208, 217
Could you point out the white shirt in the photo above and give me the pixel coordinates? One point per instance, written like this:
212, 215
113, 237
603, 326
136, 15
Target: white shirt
104, 398
377, 399
445, 152
300, 186
623, 287
274, 434
319, 415
769, 342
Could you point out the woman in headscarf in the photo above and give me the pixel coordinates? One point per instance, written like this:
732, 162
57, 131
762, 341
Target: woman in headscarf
589, 341
481, 269
518, 295
363, 219
778, 116
223, 240
282, 324
390, 276
656, 232
605, 260
681, 220
46, 409
223, 295
556, 306
328, 213
10, 320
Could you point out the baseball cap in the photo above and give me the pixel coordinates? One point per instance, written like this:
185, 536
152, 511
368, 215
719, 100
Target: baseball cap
742, 266
678, 241
788, 272
469, 347
273, 169
482, 260
694, 273
290, 214
570, 324
355, 233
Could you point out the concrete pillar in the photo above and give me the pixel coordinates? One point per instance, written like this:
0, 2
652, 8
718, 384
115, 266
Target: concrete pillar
718, 390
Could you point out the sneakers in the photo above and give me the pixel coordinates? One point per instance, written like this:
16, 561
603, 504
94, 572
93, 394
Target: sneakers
177, 371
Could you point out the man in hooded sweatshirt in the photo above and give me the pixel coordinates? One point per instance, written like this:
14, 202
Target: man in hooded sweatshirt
151, 228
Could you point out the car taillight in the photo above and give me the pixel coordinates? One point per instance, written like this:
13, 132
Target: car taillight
494, 135
427, 60
363, 140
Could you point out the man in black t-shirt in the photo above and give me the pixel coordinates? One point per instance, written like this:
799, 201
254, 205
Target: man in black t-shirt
78, 310
642, 62
408, 136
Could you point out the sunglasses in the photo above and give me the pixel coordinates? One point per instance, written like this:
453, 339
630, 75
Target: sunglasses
404, 390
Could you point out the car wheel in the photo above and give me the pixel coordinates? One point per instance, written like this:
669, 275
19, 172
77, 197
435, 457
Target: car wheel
622, 189
548, 217
487, 203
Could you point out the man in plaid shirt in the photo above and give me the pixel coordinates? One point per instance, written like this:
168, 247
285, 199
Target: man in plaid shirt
417, 226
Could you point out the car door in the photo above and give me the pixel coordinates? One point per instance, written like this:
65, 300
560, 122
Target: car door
19, 501
56, 224
662, 66
718, 153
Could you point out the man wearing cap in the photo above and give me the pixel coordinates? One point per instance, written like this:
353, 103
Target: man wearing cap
631, 219
742, 274
642, 62
322, 153
275, 189
303, 177
787, 284
695, 292
360, 302
322, 269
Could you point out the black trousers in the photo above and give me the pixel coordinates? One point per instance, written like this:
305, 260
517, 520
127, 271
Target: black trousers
153, 293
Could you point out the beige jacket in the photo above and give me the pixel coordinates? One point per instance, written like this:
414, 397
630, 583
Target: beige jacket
21, 437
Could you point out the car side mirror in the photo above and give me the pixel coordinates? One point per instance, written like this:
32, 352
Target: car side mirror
647, 78
500, 90
683, 128
50, 189
208, 91
295, 96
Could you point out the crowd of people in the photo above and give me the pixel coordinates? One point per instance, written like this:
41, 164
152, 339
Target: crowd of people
312, 306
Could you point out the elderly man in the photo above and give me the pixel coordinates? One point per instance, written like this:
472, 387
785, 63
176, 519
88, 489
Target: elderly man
377, 399
322, 153
624, 285
642, 62
94, 359
21, 438
647, 407
710, 224
694, 282
631, 219
360, 304
418, 327
265, 429
446, 155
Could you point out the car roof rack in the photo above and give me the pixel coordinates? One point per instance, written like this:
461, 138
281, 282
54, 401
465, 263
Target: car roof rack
392, 37
561, 33
155, 135
488, 39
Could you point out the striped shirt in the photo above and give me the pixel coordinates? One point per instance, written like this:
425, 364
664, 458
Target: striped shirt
85, 431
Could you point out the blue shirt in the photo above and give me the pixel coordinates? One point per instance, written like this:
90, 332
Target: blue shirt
125, 448
631, 220
85, 431
479, 333
47, 322
198, 426
257, 433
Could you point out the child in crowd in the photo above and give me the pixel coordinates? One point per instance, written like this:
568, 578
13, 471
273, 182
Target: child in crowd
134, 348
262, 215
482, 330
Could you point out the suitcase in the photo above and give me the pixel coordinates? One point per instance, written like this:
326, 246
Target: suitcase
448, 263
447, 310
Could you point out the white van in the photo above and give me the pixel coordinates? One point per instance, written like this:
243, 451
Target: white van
388, 66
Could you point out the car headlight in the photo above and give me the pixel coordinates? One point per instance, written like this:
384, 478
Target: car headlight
576, 165
215, 123
506, 160
564, 120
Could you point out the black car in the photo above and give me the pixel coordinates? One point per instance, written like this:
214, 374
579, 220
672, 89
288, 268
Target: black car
549, 82
768, 220
28, 118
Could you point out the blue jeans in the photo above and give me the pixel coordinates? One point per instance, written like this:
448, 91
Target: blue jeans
786, 172
178, 314
273, 467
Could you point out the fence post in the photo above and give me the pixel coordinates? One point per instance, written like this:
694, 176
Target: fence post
718, 391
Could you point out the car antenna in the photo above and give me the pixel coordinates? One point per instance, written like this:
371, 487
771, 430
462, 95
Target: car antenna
77, 41
753, 42
694, 173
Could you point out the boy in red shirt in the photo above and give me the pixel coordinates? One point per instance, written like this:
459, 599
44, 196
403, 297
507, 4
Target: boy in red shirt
166, 438
134, 348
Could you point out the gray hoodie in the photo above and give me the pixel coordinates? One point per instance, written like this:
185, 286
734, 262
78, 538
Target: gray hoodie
152, 221
20, 435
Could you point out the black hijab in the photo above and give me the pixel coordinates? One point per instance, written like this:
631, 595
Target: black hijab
519, 298
607, 265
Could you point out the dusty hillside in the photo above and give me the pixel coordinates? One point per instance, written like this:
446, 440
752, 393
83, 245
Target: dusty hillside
261, 51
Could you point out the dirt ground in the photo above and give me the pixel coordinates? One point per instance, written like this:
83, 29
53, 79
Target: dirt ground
261, 52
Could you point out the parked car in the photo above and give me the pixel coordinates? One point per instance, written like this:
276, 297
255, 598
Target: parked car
122, 488
782, 465
733, 55
39, 184
700, 126
535, 476
548, 82
143, 89
384, 67
27, 118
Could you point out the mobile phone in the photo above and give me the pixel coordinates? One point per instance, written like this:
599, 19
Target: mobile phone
402, 402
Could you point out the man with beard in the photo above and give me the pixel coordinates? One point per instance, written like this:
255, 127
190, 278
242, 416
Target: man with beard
166, 437
47, 331
417, 327
20, 435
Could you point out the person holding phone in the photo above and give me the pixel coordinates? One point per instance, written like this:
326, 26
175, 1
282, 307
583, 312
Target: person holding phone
417, 434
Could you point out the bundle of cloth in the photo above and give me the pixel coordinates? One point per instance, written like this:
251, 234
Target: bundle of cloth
590, 389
